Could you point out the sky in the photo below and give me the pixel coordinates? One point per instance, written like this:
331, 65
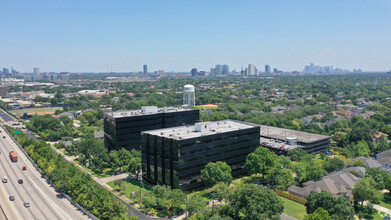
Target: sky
177, 35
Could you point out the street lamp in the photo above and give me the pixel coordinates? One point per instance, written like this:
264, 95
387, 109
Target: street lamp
186, 211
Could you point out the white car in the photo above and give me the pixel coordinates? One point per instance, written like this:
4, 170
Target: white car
26, 204
5, 179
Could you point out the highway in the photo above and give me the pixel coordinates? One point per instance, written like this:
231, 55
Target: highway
45, 202
5, 116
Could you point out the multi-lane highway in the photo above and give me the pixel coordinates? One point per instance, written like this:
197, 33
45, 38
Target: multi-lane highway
5, 117
45, 202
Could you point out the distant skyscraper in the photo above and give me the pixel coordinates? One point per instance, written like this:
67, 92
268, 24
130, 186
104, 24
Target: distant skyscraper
225, 69
251, 70
267, 69
218, 69
5, 70
160, 73
145, 69
36, 70
212, 72
194, 72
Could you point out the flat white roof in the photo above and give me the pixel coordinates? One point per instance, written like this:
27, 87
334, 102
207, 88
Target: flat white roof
189, 131
130, 113
282, 133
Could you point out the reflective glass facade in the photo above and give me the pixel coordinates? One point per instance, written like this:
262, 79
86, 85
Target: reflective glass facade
124, 132
178, 163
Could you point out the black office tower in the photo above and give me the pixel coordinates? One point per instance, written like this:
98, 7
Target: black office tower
175, 156
123, 128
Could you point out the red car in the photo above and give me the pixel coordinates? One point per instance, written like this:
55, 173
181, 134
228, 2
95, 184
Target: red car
24, 168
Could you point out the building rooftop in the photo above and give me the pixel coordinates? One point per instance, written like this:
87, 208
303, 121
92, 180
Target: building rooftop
146, 110
199, 129
282, 134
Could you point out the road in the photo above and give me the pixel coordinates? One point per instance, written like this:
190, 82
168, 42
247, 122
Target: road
45, 202
5, 116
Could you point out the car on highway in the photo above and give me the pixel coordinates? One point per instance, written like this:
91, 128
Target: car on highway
24, 168
26, 204
3, 136
12, 198
20, 181
5, 179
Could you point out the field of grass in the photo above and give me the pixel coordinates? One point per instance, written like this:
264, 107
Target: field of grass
48, 110
131, 186
293, 208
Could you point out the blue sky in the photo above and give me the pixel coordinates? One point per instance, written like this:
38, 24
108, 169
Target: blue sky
91, 35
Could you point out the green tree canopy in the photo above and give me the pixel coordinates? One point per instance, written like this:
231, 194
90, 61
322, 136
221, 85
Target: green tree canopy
216, 172
251, 201
261, 161
338, 208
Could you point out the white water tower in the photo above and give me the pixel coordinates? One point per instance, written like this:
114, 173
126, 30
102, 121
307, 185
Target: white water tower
189, 95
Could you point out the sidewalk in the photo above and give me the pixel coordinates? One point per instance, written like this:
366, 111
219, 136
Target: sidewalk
380, 208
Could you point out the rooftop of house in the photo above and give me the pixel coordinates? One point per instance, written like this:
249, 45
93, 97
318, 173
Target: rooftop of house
200, 129
146, 110
386, 153
339, 183
384, 160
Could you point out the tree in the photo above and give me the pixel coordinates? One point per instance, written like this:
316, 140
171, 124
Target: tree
332, 164
338, 208
319, 214
216, 172
261, 161
251, 201
222, 191
365, 190
308, 170
297, 154
196, 203
381, 177
284, 161
280, 178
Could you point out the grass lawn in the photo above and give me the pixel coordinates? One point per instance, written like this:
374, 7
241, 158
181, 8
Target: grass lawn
48, 110
106, 172
386, 201
293, 208
131, 186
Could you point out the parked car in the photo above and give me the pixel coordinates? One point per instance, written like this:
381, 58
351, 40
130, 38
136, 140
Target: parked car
12, 198
26, 204
20, 181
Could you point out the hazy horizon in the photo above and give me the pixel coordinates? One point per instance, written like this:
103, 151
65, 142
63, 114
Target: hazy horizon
95, 36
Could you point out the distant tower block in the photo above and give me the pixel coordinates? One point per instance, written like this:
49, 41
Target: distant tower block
189, 95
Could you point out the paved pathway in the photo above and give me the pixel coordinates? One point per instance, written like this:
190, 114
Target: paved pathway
380, 208
112, 178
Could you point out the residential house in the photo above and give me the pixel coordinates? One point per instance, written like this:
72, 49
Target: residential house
339, 184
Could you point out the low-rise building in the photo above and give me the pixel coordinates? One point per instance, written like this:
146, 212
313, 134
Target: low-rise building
175, 156
339, 184
281, 140
123, 128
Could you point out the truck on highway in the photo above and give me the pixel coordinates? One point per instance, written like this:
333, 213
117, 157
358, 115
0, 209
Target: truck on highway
13, 156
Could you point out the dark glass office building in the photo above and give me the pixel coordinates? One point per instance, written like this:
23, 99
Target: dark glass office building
123, 128
175, 156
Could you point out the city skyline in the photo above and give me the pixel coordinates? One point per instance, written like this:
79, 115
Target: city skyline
117, 36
